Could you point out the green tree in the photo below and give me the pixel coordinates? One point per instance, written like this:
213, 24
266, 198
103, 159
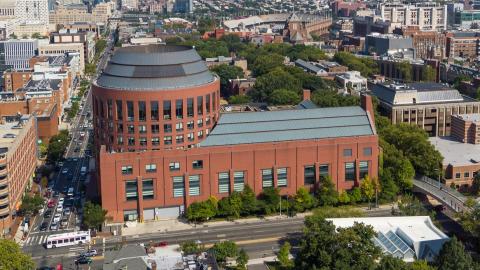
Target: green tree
94, 215
239, 99
206, 24
266, 63
429, 74
344, 198
13, 36
453, 256
224, 249
283, 256
36, 35
475, 188
90, 69
12, 257
276, 79
368, 189
303, 200
57, 145
249, 201
405, 69
242, 259
270, 198
42, 148
226, 73
366, 66
420, 265
200, 211
411, 206
391, 263
327, 193
190, 247
470, 219
31, 204
230, 206
355, 195
331, 98
284, 97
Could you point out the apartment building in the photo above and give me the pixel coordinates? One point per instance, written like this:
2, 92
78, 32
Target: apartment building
463, 44
70, 14
466, 128
18, 156
72, 36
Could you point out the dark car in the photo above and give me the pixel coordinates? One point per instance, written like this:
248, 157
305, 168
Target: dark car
47, 214
83, 260
76, 150
44, 226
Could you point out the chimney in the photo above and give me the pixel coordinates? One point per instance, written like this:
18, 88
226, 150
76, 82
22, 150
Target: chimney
367, 105
306, 94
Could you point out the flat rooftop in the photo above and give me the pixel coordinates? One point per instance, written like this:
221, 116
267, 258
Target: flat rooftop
456, 153
475, 118
289, 125
9, 132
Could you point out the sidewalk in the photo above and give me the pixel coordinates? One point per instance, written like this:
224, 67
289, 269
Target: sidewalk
169, 225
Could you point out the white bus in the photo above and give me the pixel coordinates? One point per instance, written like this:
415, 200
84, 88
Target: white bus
67, 239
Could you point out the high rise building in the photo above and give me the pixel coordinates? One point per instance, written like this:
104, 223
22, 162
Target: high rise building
32, 11
15, 54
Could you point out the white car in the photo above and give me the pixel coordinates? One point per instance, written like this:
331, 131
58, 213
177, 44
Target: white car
57, 217
60, 208
65, 171
61, 200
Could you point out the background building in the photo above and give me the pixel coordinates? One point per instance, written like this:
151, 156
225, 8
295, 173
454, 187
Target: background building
15, 54
428, 16
466, 128
18, 159
32, 11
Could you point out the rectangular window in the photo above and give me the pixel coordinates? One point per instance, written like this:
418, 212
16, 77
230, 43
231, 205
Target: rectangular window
207, 121
350, 171
324, 170
363, 169
155, 129
147, 189
150, 168
131, 129
178, 186
130, 215
179, 138
223, 182
167, 128
179, 108
127, 169
282, 177
267, 178
131, 192
143, 141
238, 181
207, 101
130, 114
119, 110
200, 122
197, 164
174, 166
154, 110
309, 175
367, 151
190, 107
142, 111
155, 141
347, 152
179, 126
119, 128
194, 185
131, 141
167, 110
200, 134
167, 140
200, 105
142, 129
190, 124
466, 174
119, 140
110, 109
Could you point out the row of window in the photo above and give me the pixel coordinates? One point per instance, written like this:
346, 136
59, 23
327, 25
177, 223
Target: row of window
151, 168
154, 108
155, 128
167, 140
367, 151
131, 188
465, 174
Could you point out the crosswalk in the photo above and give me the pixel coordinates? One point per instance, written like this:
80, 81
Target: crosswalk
37, 239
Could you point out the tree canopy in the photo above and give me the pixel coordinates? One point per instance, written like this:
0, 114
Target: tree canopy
226, 73
94, 215
11, 257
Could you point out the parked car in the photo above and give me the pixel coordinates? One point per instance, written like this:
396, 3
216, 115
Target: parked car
61, 200
57, 217
54, 226
64, 171
60, 208
66, 212
47, 213
51, 203
44, 226
64, 222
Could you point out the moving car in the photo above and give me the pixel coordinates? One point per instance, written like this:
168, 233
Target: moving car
66, 212
60, 208
89, 253
64, 222
83, 260
64, 171
51, 203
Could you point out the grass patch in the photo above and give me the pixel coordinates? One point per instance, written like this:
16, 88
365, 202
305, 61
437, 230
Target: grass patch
338, 212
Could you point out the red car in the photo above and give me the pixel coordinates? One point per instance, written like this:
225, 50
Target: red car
51, 203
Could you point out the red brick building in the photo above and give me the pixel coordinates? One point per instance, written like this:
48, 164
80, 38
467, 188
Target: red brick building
156, 175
